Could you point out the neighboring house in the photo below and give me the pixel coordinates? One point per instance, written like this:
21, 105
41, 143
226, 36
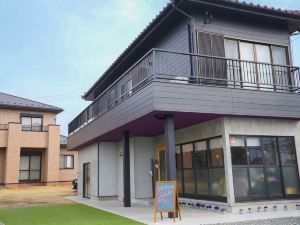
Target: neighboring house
30, 143
68, 161
209, 92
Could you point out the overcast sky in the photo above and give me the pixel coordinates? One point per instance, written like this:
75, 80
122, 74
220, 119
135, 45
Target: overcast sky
54, 50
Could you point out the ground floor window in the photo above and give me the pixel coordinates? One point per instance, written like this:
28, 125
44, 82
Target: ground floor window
30, 167
66, 162
264, 167
200, 169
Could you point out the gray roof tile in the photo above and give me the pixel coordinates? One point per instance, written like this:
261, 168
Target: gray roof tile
11, 101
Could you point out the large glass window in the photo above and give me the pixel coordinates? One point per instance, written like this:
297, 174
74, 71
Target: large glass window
30, 168
264, 167
203, 169
255, 70
254, 150
216, 152
188, 172
238, 151
32, 123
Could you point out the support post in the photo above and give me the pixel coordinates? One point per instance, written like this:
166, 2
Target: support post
170, 151
170, 147
126, 170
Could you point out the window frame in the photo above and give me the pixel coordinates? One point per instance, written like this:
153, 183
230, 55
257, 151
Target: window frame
32, 128
278, 165
64, 162
30, 154
255, 43
208, 169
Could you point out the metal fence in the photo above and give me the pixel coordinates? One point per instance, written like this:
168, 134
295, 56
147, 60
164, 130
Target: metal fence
187, 68
210, 70
34, 128
131, 81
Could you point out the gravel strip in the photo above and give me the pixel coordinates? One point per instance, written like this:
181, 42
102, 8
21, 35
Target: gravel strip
279, 221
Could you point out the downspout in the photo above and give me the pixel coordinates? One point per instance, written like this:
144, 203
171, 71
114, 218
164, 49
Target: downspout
98, 169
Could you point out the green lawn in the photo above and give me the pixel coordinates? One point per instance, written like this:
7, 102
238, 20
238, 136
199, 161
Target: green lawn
72, 214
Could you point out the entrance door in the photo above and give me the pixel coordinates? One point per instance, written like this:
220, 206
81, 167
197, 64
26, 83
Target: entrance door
86, 180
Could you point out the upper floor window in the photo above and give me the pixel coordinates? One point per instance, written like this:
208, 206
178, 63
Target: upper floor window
32, 122
247, 64
256, 65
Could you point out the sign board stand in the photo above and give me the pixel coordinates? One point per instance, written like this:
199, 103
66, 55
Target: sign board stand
166, 199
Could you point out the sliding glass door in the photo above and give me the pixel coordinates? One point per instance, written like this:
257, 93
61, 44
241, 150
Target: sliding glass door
248, 68
250, 65
30, 167
264, 69
281, 74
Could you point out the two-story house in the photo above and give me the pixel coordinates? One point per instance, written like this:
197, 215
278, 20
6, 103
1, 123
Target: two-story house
208, 94
31, 148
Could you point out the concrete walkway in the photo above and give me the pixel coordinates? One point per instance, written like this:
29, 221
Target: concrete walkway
145, 213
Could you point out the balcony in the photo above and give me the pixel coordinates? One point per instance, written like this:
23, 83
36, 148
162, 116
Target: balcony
191, 69
34, 128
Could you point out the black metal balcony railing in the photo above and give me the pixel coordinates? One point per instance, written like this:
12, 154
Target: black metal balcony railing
34, 128
186, 68
3, 126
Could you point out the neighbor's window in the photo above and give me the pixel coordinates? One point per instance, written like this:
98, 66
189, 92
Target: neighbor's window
32, 123
30, 168
66, 162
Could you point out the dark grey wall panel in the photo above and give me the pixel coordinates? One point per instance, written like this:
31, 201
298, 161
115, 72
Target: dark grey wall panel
164, 96
135, 106
176, 39
219, 100
244, 28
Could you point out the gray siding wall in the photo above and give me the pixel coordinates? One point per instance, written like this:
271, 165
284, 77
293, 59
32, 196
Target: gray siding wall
139, 104
244, 28
218, 100
176, 39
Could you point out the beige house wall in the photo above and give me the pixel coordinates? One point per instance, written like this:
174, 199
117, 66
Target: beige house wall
13, 116
2, 162
13, 141
68, 174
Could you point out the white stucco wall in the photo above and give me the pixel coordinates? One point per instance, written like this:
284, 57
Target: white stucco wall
88, 155
108, 169
143, 153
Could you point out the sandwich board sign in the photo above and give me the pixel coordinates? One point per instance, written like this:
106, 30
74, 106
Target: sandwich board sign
166, 199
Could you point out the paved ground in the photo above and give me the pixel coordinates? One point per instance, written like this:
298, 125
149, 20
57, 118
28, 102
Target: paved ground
145, 214
30, 196
280, 221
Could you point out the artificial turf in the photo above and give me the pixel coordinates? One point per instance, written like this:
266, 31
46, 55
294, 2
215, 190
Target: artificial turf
67, 214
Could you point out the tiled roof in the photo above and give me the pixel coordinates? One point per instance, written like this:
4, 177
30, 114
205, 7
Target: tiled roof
259, 6
11, 101
168, 8
63, 140
297, 12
